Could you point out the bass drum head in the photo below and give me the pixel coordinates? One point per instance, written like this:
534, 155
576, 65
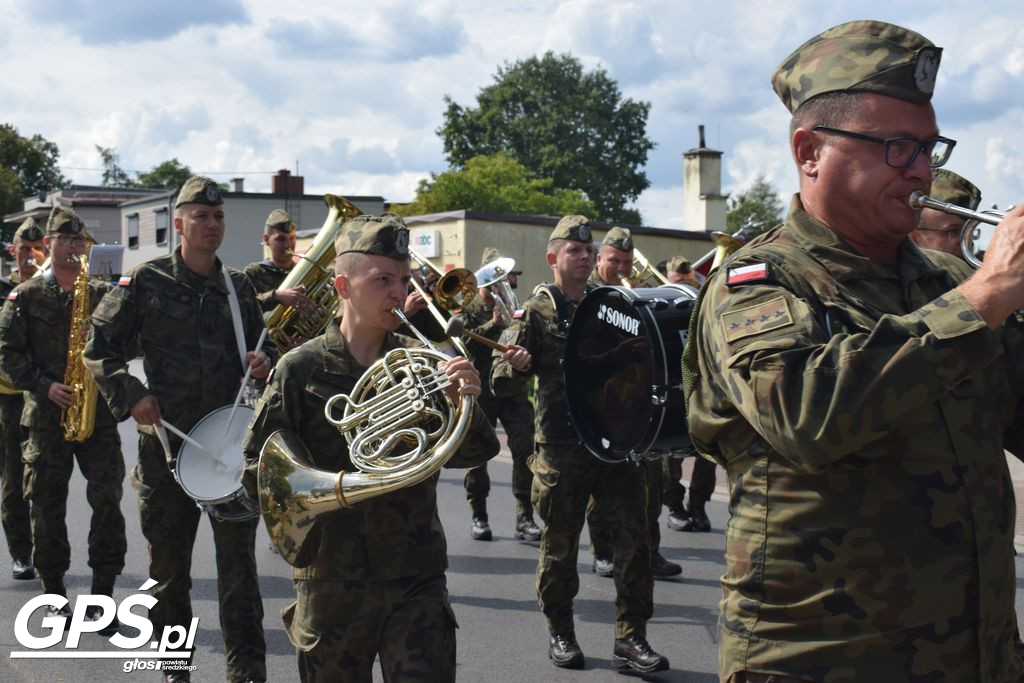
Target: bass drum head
622, 369
202, 478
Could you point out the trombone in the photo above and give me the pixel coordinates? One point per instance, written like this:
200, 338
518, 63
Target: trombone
453, 289
643, 273
919, 200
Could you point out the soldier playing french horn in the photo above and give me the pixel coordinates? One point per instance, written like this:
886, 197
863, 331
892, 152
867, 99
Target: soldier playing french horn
375, 583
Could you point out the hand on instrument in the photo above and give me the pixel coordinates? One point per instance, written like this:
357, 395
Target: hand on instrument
464, 377
518, 357
61, 394
147, 411
414, 303
496, 316
294, 297
259, 362
997, 289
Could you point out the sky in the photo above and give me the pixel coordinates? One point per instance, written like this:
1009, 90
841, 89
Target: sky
350, 94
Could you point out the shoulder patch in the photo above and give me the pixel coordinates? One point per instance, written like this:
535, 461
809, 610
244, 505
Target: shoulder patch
518, 314
124, 281
756, 272
769, 315
12, 296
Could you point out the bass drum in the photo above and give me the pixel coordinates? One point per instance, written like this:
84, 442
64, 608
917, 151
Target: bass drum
623, 372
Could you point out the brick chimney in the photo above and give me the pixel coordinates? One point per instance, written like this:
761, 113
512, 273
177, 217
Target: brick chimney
287, 184
704, 204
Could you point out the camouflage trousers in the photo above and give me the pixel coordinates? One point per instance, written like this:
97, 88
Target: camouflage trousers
565, 477
49, 460
170, 520
516, 415
601, 522
339, 627
14, 509
702, 482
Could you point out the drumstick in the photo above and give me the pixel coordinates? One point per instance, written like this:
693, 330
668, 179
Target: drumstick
245, 382
457, 328
189, 440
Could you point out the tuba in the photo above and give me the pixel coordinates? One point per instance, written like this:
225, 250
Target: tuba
287, 326
494, 276
401, 428
79, 418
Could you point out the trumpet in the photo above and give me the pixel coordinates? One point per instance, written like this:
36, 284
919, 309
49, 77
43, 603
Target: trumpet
969, 233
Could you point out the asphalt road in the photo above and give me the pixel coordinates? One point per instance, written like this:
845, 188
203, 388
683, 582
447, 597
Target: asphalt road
502, 636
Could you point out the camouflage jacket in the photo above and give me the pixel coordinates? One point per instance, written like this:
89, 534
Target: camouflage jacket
7, 284
181, 322
35, 327
538, 329
861, 411
266, 278
477, 317
391, 536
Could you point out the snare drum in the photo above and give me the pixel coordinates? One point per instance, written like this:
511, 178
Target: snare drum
218, 490
623, 371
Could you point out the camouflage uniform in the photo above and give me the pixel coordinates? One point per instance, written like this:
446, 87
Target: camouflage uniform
955, 189
182, 323
266, 277
515, 412
376, 584
14, 509
34, 331
566, 475
865, 543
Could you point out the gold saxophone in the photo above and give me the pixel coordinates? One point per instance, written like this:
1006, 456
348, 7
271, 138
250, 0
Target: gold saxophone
289, 326
79, 418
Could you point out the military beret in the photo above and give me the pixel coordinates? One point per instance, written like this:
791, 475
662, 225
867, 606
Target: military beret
575, 228
199, 190
490, 254
64, 221
384, 235
29, 230
279, 220
678, 264
954, 189
860, 56
620, 238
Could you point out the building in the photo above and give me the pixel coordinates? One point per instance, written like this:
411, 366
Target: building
147, 228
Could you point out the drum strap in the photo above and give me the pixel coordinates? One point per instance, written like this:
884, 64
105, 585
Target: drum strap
236, 316
562, 307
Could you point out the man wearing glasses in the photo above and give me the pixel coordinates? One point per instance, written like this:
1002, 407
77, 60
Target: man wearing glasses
860, 393
939, 230
34, 333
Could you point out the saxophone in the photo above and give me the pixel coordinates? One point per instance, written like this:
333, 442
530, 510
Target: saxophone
78, 419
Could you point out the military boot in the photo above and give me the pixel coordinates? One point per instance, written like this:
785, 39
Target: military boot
698, 519
527, 529
677, 518
634, 652
662, 568
481, 530
564, 651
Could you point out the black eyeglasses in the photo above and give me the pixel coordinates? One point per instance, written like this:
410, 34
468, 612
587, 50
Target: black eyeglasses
902, 152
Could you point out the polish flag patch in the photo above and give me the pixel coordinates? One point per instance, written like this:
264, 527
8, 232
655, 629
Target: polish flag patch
12, 296
518, 315
745, 274
124, 281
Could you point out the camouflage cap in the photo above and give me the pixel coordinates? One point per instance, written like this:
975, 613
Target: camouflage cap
955, 189
490, 254
279, 220
575, 228
199, 190
29, 230
384, 235
860, 56
678, 264
64, 221
620, 238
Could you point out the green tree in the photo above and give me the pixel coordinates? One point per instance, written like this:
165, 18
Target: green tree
27, 166
169, 175
113, 174
497, 184
759, 206
560, 123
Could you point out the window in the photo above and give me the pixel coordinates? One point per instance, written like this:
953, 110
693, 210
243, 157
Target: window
133, 231
162, 217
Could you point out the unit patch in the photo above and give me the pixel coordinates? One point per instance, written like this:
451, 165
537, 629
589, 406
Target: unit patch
763, 317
